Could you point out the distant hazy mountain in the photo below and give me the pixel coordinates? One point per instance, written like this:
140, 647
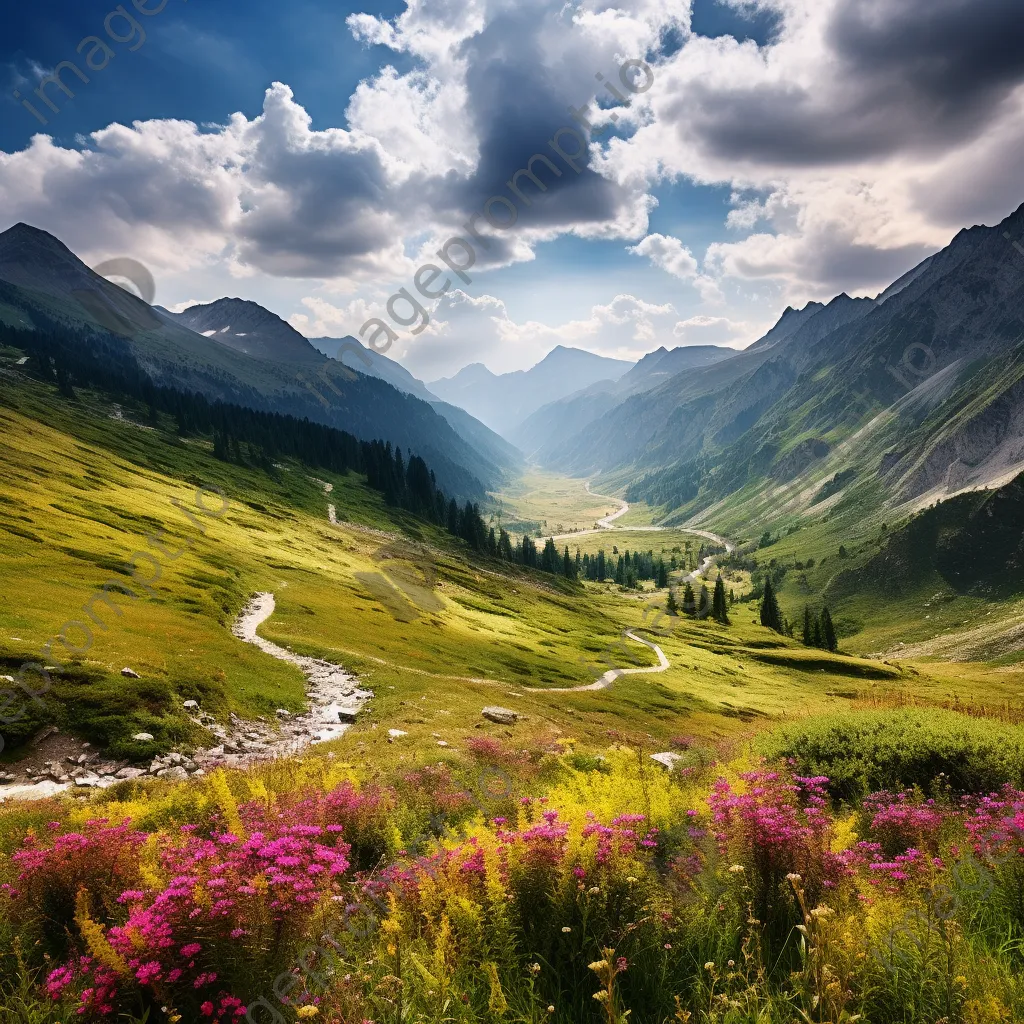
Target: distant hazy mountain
503, 401
542, 434
43, 283
365, 360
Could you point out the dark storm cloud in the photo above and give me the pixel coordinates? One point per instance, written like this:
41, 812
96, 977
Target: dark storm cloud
909, 75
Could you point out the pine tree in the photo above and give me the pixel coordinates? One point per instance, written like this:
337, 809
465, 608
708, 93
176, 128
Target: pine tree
672, 606
662, 577
770, 614
704, 605
828, 632
721, 608
816, 639
808, 635
689, 601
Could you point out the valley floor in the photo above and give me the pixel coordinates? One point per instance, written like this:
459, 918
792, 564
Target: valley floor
493, 819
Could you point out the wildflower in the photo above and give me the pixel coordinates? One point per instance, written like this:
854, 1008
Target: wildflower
566, 929
305, 1012
535, 969
551, 1009
794, 877
631, 878
598, 965
732, 963
594, 890
736, 869
710, 965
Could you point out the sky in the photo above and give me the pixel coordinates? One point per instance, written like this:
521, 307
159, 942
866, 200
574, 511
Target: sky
732, 159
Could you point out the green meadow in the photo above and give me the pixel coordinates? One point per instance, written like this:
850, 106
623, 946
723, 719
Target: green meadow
88, 484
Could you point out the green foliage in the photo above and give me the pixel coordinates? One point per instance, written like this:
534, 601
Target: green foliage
934, 750
771, 617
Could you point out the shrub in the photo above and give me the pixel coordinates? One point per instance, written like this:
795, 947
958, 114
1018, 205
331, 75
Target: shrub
862, 752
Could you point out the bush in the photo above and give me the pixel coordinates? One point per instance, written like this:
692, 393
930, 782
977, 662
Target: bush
862, 752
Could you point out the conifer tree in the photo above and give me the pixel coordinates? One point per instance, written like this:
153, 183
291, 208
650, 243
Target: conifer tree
808, 634
671, 605
721, 607
662, 579
704, 604
689, 601
770, 614
828, 632
816, 639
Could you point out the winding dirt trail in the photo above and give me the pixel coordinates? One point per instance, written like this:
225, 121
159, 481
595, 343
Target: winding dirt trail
334, 698
606, 524
613, 673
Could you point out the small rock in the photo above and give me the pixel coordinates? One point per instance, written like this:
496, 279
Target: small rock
397, 733
216, 751
143, 737
198, 773
88, 780
175, 774
45, 733
281, 713
503, 716
6, 779
442, 743
130, 773
129, 673
191, 705
668, 759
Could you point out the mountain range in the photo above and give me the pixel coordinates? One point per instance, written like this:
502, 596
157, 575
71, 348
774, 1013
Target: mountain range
237, 351
909, 398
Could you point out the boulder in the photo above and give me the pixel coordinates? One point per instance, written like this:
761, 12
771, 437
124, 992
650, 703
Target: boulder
503, 716
129, 673
174, 774
130, 773
191, 705
143, 737
88, 780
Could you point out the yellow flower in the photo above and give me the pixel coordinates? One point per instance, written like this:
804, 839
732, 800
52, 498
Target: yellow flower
95, 939
305, 1012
